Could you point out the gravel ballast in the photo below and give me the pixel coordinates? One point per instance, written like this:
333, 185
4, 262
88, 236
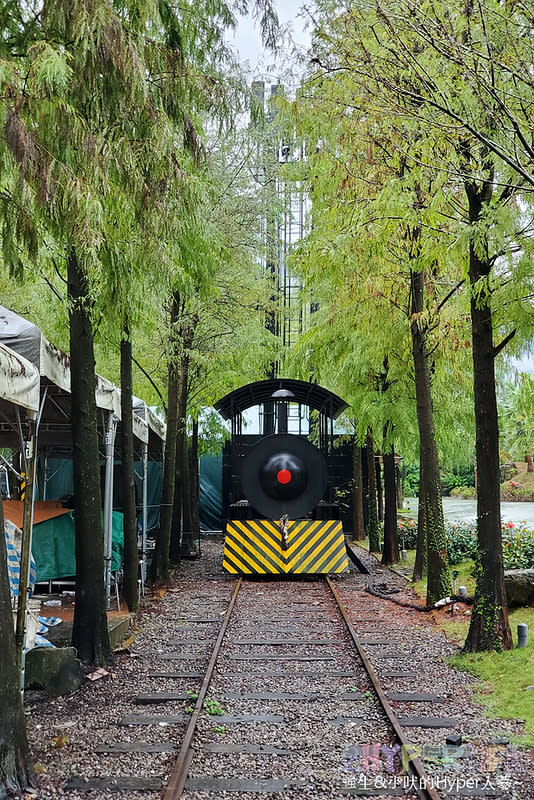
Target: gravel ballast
284, 638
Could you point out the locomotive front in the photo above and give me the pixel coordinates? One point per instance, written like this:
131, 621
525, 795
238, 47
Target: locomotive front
282, 518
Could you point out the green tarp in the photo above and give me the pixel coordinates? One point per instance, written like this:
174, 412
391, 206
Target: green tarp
53, 546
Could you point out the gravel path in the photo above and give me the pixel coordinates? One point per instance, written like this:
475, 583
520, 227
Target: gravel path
312, 742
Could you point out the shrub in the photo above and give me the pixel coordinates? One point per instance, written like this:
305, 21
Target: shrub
408, 530
461, 541
457, 478
518, 546
512, 492
411, 481
518, 542
465, 492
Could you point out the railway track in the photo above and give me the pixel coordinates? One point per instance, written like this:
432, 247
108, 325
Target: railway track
296, 707
178, 779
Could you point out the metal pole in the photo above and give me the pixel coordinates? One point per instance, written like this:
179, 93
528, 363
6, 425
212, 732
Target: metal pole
45, 475
108, 502
145, 519
25, 555
25, 589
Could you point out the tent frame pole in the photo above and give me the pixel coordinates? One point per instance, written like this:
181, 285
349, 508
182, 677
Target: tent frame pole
25, 589
45, 474
25, 554
144, 532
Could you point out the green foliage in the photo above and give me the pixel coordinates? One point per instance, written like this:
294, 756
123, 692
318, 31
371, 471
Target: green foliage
518, 546
461, 541
457, 478
518, 543
465, 492
407, 534
411, 480
213, 707
516, 416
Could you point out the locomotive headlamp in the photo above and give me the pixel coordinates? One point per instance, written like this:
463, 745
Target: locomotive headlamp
283, 474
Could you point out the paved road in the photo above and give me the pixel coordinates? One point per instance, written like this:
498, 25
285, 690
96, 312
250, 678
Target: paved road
456, 510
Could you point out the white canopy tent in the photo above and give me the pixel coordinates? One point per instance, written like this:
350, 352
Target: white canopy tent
51, 376
19, 411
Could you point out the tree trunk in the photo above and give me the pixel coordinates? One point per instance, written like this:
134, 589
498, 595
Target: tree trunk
131, 555
379, 490
489, 628
90, 630
530, 463
420, 552
194, 479
372, 527
358, 528
438, 576
390, 553
160, 562
178, 516
16, 775
183, 453
190, 494
176, 525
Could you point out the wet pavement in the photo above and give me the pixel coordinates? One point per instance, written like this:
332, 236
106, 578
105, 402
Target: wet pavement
457, 510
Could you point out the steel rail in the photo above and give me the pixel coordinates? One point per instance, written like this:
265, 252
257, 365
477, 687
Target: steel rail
177, 778
415, 766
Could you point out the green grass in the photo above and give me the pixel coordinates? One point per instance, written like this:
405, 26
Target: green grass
465, 578
505, 677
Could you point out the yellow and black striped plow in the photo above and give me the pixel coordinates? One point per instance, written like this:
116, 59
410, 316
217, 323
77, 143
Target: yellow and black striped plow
254, 547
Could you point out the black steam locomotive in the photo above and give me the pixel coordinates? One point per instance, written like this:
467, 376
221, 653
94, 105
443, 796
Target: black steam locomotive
278, 492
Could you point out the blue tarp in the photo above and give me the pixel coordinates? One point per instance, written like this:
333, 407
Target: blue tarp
210, 492
60, 484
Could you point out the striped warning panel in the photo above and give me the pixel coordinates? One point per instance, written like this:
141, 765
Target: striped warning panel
254, 547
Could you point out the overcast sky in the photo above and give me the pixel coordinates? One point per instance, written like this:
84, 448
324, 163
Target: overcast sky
247, 39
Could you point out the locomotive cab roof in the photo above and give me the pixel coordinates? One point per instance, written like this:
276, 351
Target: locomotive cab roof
303, 392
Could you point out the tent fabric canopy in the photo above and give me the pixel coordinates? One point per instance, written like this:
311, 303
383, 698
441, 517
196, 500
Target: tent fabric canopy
19, 380
26, 354
156, 429
42, 510
26, 339
53, 546
23, 337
